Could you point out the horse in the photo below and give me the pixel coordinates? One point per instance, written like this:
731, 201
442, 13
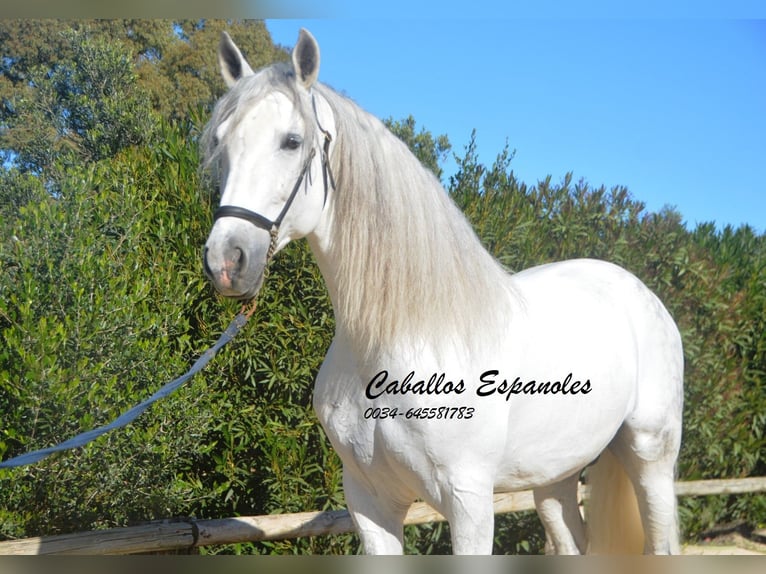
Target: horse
448, 378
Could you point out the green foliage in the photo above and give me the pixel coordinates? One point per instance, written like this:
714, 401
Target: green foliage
102, 300
105, 302
91, 323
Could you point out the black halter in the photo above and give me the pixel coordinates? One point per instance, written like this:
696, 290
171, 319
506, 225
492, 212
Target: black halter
273, 226
256, 218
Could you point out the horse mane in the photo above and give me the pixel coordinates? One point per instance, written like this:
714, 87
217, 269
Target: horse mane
411, 268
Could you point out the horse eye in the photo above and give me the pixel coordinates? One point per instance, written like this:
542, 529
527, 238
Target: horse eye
292, 142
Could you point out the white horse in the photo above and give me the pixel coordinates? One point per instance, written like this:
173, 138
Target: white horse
448, 378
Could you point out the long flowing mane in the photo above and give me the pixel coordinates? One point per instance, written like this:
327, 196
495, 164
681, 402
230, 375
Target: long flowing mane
412, 268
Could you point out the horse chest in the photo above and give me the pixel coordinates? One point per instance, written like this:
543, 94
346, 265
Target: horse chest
339, 408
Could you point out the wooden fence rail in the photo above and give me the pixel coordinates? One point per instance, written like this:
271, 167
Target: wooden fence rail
190, 533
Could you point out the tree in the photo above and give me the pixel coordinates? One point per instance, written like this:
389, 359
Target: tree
188, 74
86, 89
82, 109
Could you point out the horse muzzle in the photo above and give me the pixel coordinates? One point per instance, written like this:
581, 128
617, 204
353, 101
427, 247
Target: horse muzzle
234, 261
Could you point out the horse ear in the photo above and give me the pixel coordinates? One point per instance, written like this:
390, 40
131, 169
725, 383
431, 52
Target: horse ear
306, 59
232, 62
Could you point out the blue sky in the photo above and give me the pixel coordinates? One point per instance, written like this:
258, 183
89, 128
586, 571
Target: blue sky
672, 108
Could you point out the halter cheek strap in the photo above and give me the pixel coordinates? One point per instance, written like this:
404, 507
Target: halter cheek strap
326, 171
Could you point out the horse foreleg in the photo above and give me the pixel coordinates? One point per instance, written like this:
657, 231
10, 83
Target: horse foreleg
378, 520
558, 511
471, 517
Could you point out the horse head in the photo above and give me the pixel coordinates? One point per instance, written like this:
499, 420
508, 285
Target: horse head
267, 145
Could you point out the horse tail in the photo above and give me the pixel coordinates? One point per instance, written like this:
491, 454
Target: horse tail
613, 518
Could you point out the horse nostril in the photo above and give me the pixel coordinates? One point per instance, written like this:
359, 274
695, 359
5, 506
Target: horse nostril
205, 265
238, 255
224, 266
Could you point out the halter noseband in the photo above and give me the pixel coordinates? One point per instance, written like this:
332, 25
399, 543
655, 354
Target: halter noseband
256, 218
263, 222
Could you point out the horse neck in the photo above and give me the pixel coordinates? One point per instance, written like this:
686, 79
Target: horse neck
401, 262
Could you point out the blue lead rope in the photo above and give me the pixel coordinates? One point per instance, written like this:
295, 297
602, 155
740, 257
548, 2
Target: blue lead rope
129, 416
